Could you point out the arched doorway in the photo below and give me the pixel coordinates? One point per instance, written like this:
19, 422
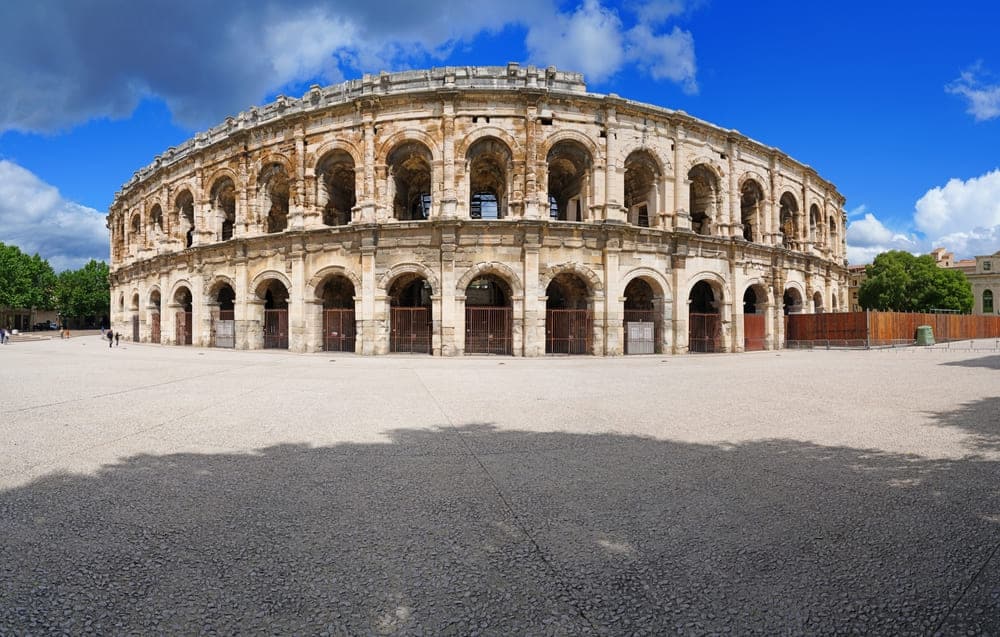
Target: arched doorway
336, 183
410, 320
154, 317
642, 319
704, 322
569, 165
339, 327
224, 317
752, 210
754, 319
135, 318
703, 199
488, 317
818, 303
792, 300
569, 323
275, 315
642, 181
489, 164
410, 181
183, 320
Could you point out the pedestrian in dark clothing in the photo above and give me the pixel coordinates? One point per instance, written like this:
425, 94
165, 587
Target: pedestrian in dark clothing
118, 335
111, 338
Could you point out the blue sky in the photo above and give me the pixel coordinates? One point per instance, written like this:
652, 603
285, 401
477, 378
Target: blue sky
897, 103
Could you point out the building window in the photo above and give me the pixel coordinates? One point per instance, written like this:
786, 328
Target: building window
484, 206
987, 266
988, 302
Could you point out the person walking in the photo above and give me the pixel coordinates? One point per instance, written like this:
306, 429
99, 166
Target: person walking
3, 336
111, 338
118, 335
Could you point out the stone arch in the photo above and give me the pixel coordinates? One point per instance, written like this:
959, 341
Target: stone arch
651, 276
319, 154
482, 132
213, 285
489, 163
155, 217
410, 180
788, 210
258, 283
818, 304
121, 302
217, 175
642, 174
752, 207
569, 166
705, 188
715, 280
154, 291
566, 135
268, 160
762, 290
134, 300
752, 175
594, 284
312, 286
495, 268
336, 186
385, 281
401, 137
222, 197
793, 298
178, 286
663, 165
708, 161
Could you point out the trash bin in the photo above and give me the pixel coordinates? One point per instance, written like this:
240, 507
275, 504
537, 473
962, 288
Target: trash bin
925, 335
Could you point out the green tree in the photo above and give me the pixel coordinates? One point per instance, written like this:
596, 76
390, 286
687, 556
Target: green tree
902, 282
25, 281
84, 293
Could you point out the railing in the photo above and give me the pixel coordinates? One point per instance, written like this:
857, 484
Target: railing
339, 330
276, 329
410, 330
704, 333
488, 330
569, 331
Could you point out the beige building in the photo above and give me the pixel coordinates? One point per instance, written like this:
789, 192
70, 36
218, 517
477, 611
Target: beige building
473, 210
985, 282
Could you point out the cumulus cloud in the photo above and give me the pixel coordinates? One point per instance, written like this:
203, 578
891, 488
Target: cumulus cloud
963, 216
980, 90
36, 218
63, 63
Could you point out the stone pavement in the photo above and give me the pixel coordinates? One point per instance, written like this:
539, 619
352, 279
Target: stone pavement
150, 489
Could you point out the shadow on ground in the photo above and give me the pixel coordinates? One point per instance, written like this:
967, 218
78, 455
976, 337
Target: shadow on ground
989, 362
474, 529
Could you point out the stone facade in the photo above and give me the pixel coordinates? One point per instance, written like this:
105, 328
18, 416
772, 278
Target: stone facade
499, 187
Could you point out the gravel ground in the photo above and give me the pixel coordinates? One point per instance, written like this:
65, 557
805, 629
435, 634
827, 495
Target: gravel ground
148, 489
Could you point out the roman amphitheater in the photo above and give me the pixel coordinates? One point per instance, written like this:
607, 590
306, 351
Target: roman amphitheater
473, 210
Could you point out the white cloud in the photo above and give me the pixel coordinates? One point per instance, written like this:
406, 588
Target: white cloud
868, 237
36, 218
960, 205
63, 63
589, 40
979, 89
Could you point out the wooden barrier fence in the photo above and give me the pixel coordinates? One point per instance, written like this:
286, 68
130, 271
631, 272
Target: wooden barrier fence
878, 329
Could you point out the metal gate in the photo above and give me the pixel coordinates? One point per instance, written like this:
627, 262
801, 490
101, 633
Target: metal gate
754, 339
224, 329
704, 333
276, 329
184, 325
488, 330
642, 331
338, 330
154, 327
410, 330
568, 331
135, 328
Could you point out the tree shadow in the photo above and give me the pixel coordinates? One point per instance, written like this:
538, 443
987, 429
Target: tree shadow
989, 362
979, 419
475, 529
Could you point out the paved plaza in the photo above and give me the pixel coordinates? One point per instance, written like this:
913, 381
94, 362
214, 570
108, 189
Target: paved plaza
161, 490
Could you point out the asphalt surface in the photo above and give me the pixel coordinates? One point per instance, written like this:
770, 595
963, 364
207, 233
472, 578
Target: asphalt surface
168, 490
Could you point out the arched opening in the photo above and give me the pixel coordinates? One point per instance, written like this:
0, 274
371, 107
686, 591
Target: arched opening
643, 314
275, 296
834, 305
410, 328
569, 322
704, 322
223, 201
703, 199
818, 303
339, 327
183, 321
156, 219
277, 196
224, 316
752, 210
642, 177
788, 208
154, 317
184, 210
987, 301
569, 180
337, 185
832, 236
815, 225
410, 181
135, 231
754, 319
488, 162
792, 301
488, 316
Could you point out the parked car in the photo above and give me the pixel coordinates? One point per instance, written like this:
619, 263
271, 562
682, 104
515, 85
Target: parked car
46, 325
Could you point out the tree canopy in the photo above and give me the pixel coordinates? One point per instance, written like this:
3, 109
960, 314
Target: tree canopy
84, 293
899, 281
25, 281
